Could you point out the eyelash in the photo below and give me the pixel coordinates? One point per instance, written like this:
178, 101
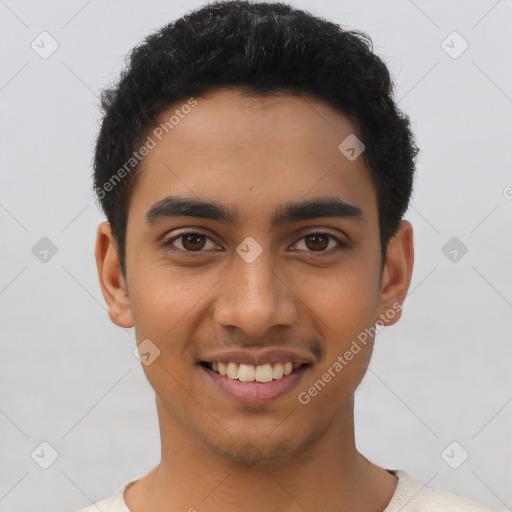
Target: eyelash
168, 244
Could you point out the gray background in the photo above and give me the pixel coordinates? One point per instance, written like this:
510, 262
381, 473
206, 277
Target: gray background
68, 375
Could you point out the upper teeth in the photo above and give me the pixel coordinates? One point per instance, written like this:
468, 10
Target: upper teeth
250, 373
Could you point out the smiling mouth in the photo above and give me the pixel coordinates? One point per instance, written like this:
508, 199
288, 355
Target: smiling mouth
250, 373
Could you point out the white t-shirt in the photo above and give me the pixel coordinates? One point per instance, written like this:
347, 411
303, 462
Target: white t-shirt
409, 496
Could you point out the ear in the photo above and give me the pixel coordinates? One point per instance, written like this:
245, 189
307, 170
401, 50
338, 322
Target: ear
396, 276
113, 286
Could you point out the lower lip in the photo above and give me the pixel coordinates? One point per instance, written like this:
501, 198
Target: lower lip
256, 392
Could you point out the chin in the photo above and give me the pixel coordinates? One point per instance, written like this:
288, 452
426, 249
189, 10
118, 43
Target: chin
262, 448
253, 454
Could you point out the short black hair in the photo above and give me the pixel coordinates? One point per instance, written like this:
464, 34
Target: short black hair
259, 49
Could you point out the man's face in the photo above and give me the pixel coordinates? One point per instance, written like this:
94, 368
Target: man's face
200, 296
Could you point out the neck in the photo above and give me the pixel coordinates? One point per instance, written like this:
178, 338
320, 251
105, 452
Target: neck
329, 474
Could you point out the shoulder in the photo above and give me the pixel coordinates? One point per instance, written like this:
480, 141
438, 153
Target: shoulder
412, 496
115, 503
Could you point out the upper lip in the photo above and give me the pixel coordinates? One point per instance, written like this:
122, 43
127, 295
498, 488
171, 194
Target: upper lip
259, 357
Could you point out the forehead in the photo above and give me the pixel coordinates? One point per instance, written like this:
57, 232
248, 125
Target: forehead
251, 152
237, 124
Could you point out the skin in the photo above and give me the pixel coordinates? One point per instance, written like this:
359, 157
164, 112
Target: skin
217, 453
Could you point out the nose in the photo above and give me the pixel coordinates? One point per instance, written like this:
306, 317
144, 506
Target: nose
255, 297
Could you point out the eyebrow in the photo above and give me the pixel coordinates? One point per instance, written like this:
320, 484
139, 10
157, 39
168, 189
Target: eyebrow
175, 206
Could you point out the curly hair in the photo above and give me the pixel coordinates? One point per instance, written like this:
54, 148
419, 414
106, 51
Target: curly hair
260, 49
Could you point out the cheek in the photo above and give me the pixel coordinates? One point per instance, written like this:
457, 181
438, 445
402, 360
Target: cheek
165, 294
344, 301
344, 305
167, 304
343, 309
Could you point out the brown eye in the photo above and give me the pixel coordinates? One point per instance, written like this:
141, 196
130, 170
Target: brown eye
193, 242
189, 242
317, 242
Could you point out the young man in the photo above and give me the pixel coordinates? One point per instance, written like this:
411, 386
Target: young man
254, 171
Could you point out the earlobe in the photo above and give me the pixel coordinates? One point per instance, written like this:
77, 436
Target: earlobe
397, 273
113, 286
